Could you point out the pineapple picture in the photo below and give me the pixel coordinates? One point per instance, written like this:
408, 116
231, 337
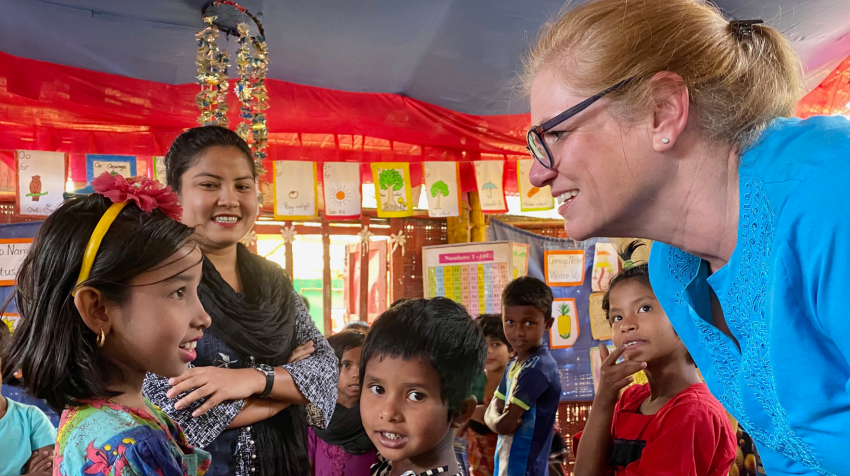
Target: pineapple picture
565, 321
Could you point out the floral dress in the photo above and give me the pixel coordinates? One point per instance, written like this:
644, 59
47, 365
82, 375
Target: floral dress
104, 438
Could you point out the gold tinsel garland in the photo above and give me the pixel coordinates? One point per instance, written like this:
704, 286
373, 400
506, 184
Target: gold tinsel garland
252, 64
213, 64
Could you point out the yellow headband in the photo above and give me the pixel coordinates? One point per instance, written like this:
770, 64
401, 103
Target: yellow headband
94, 242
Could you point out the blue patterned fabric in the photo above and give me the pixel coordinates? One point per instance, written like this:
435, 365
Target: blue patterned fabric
783, 293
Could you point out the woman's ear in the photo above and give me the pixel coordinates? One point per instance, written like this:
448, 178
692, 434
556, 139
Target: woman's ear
464, 412
92, 307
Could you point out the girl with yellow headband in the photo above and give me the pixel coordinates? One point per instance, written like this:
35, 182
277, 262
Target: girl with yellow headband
107, 293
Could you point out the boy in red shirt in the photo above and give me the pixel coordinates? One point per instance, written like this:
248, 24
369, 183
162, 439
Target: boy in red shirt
670, 426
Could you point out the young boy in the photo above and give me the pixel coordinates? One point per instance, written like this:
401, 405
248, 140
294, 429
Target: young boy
523, 412
26, 435
417, 367
344, 443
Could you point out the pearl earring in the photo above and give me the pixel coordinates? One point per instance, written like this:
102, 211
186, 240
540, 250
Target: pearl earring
665, 141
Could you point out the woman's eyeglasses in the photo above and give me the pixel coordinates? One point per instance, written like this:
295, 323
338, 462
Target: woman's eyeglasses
537, 145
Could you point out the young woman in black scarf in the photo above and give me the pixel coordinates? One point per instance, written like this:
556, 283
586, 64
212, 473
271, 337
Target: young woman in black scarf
245, 399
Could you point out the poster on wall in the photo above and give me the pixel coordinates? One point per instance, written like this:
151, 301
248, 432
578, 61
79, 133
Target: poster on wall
8, 187
531, 198
159, 171
606, 265
12, 254
565, 329
97, 164
295, 190
490, 180
520, 260
442, 185
473, 274
596, 364
393, 189
600, 328
564, 267
41, 182
341, 190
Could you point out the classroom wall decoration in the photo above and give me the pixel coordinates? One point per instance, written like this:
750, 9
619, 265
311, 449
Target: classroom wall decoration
12, 254
341, 187
123, 165
393, 189
442, 185
159, 170
599, 325
564, 267
490, 181
531, 198
295, 190
565, 329
41, 182
472, 274
520, 262
606, 264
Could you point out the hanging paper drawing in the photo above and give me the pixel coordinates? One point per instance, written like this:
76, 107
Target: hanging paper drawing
392, 189
531, 198
341, 190
40, 182
442, 190
489, 177
565, 330
295, 190
606, 264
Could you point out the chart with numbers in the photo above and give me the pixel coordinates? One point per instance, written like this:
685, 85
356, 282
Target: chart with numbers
471, 274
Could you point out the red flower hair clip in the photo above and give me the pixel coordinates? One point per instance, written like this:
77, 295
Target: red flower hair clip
148, 194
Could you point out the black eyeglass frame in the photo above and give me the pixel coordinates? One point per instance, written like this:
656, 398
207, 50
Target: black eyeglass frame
536, 132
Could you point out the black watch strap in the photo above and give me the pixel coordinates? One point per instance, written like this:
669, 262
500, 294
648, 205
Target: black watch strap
269, 372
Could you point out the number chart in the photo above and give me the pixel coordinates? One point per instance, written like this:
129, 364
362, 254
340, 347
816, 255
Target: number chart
473, 275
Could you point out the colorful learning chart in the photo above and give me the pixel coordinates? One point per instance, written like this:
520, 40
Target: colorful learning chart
471, 274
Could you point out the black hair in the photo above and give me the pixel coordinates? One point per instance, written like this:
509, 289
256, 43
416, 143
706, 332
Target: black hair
491, 326
51, 343
186, 148
632, 270
345, 340
529, 291
357, 326
4, 337
440, 332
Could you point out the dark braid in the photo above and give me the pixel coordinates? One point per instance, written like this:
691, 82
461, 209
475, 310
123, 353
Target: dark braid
637, 271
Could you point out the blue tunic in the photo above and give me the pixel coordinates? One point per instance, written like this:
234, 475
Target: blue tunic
785, 293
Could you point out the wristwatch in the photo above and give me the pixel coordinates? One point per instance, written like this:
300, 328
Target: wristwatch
269, 373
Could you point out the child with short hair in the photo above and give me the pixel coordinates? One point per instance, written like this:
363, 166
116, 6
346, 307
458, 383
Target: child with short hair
26, 434
108, 292
418, 363
670, 426
343, 448
523, 412
482, 440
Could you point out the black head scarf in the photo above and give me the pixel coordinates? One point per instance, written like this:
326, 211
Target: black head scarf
261, 325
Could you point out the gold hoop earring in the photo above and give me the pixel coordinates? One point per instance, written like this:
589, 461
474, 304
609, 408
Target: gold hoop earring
101, 339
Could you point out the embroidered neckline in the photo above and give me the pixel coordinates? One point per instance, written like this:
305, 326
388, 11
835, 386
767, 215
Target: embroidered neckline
744, 308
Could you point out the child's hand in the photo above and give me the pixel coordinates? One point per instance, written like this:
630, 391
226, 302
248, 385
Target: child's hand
614, 376
41, 461
216, 385
302, 352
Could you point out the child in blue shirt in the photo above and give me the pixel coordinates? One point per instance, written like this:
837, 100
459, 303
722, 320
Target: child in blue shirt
524, 408
26, 434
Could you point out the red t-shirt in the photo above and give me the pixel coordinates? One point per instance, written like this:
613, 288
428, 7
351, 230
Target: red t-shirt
690, 435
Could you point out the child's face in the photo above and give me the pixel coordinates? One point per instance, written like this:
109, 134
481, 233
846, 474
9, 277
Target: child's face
498, 354
525, 326
636, 316
156, 329
349, 374
402, 409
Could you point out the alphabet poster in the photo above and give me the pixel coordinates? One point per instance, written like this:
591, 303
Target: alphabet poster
41, 182
490, 179
341, 189
97, 164
295, 190
442, 188
393, 189
531, 198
